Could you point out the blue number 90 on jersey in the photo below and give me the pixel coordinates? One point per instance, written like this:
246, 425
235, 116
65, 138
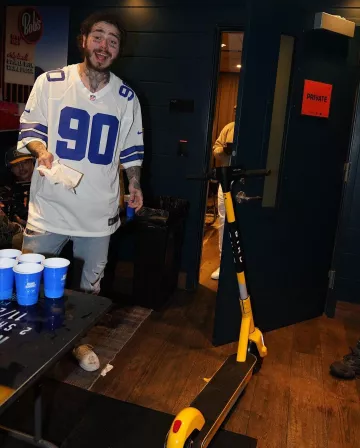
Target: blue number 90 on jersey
81, 133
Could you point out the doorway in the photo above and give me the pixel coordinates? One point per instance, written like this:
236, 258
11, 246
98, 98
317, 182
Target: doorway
288, 242
229, 69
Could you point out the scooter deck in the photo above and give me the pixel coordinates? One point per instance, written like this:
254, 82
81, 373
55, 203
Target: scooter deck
219, 396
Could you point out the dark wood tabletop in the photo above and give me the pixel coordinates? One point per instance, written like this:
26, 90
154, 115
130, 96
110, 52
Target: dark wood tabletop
33, 339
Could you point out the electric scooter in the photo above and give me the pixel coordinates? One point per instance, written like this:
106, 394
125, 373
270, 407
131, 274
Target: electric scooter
196, 425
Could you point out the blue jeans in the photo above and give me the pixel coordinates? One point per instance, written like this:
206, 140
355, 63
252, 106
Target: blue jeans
90, 254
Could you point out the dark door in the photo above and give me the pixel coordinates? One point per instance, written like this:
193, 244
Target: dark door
288, 246
344, 276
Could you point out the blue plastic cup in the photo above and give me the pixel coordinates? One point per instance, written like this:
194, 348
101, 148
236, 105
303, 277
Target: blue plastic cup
27, 280
6, 277
55, 272
30, 258
130, 212
10, 253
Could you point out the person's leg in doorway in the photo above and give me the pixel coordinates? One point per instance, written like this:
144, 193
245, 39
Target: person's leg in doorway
221, 210
91, 254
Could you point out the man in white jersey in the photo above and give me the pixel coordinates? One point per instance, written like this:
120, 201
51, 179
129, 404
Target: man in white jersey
222, 153
86, 118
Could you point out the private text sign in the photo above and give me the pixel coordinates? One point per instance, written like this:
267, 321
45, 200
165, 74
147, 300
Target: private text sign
316, 99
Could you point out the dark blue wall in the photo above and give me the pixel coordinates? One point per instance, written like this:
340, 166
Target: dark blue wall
170, 53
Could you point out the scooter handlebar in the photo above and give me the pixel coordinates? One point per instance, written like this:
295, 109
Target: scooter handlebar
207, 176
235, 173
255, 173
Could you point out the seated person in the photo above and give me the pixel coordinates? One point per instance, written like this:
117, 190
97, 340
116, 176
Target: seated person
14, 207
21, 165
222, 151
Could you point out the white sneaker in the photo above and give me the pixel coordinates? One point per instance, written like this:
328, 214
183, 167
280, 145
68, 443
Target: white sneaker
87, 359
215, 275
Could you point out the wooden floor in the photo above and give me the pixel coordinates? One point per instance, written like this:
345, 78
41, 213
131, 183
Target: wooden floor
292, 402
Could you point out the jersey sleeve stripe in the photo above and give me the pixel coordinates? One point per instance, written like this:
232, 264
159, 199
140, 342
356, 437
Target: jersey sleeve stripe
33, 131
132, 150
33, 134
132, 158
37, 126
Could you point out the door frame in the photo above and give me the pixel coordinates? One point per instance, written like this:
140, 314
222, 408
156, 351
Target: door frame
211, 117
346, 200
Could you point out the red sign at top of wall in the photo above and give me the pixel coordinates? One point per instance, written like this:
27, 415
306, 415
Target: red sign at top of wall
316, 99
30, 25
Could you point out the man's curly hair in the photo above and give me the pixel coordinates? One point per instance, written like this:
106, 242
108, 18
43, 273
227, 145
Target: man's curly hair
102, 16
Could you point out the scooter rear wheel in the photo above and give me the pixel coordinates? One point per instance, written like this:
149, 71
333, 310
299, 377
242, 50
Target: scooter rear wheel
252, 348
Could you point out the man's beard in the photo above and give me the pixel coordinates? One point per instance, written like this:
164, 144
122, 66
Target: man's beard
91, 66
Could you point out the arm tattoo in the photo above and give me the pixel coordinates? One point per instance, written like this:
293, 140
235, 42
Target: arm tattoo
36, 148
133, 175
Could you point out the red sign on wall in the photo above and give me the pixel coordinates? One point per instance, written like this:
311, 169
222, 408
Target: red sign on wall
316, 99
30, 25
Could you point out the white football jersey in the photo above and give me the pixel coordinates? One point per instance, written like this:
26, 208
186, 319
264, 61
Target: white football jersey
90, 132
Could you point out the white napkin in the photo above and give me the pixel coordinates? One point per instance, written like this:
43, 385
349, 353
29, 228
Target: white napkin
61, 174
106, 369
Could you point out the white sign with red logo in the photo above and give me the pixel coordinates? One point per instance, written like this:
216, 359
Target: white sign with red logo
24, 28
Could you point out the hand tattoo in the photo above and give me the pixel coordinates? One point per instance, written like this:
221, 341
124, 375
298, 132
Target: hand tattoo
133, 174
136, 196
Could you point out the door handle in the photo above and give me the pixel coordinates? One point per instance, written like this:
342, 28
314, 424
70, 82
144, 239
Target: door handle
241, 197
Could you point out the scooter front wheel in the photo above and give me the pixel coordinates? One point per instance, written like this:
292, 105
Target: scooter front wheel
189, 443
